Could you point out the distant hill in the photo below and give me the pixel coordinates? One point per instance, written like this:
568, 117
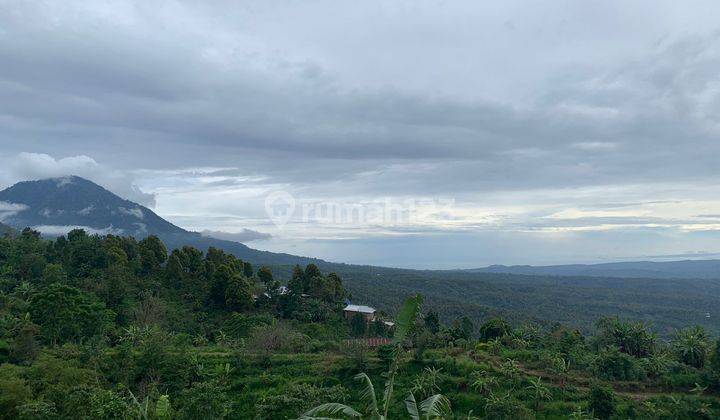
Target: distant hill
700, 269
6, 230
668, 295
54, 206
51, 205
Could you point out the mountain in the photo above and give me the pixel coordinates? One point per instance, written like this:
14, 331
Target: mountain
54, 206
558, 295
51, 205
5, 230
686, 269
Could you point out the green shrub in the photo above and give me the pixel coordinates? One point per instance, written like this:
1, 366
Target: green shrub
494, 328
38, 410
602, 401
611, 364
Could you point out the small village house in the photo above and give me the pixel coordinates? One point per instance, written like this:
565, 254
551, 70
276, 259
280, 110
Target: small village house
366, 311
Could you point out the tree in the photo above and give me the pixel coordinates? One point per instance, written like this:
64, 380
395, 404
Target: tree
54, 273
66, 313
37, 410
14, 391
494, 328
221, 279
463, 328
25, 347
174, 271
247, 269
30, 267
691, 346
432, 322
715, 358
238, 296
106, 404
602, 401
312, 270
632, 338
333, 290
152, 254
297, 281
265, 276
611, 364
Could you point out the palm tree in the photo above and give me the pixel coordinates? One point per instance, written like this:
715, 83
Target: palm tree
691, 345
539, 390
405, 321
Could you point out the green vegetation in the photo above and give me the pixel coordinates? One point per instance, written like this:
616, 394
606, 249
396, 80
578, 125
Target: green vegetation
114, 328
667, 304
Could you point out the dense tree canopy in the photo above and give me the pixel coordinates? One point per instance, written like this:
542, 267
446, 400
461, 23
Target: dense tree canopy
111, 327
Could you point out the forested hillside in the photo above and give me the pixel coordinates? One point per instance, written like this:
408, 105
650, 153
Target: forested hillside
667, 304
110, 327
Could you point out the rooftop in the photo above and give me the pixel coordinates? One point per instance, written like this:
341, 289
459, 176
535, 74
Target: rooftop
360, 308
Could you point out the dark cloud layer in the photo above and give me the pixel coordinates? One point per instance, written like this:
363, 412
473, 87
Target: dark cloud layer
128, 77
366, 99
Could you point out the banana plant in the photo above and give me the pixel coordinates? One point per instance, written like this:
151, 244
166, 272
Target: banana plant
140, 408
163, 409
539, 390
434, 407
403, 325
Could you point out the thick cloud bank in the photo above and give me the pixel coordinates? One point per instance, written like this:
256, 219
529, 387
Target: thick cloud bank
548, 119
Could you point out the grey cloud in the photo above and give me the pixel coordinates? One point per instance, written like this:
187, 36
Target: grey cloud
460, 99
336, 135
248, 101
30, 166
10, 209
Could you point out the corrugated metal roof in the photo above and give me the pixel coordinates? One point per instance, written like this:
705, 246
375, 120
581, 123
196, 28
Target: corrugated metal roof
360, 308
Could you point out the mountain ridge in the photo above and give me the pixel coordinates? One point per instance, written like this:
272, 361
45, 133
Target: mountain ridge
55, 205
579, 301
702, 269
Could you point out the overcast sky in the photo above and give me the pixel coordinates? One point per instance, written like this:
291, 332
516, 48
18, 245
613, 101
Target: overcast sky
513, 132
